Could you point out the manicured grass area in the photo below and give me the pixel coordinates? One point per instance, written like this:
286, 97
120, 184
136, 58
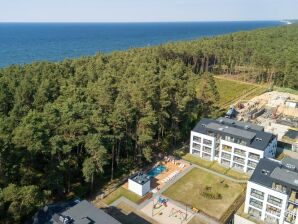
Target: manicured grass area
121, 192
230, 91
213, 165
188, 190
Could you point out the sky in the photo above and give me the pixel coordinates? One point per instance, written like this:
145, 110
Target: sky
145, 10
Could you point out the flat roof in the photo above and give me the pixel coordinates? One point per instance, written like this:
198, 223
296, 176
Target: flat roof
253, 135
85, 213
283, 172
140, 178
231, 130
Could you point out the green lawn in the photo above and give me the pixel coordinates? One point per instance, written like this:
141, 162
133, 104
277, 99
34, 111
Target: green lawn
188, 190
230, 91
121, 192
213, 165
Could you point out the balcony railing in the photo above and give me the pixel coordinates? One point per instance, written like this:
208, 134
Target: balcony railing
225, 162
239, 160
207, 142
252, 164
261, 197
254, 156
196, 146
207, 150
272, 210
239, 152
226, 155
227, 148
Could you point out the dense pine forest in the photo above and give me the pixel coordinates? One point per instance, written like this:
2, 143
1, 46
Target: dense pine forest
67, 127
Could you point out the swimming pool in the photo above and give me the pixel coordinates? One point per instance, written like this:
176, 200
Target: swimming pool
156, 170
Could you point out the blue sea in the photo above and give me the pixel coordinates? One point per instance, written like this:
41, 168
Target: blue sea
27, 42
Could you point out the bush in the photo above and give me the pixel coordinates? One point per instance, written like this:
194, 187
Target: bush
208, 193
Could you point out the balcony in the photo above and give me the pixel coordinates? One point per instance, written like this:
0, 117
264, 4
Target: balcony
256, 203
270, 220
196, 152
279, 187
206, 156
239, 152
196, 146
206, 149
227, 148
254, 213
239, 160
272, 210
225, 162
253, 156
252, 164
197, 139
290, 218
257, 194
207, 142
293, 197
226, 155
238, 166
274, 201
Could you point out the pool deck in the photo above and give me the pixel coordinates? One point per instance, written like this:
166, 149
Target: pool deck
171, 166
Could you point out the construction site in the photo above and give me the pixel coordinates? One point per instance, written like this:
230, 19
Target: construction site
276, 111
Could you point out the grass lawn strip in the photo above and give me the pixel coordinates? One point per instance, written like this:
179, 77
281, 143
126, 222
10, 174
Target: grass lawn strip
213, 165
121, 192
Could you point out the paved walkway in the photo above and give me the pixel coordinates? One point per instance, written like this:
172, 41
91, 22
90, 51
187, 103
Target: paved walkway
175, 179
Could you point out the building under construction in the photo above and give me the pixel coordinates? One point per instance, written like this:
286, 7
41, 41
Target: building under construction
277, 112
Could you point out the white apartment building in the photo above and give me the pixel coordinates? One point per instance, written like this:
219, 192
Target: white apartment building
272, 192
232, 143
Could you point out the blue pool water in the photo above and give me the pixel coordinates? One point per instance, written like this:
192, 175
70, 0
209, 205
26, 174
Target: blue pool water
27, 42
156, 170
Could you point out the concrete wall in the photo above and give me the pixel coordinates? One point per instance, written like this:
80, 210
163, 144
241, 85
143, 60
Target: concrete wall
137, 188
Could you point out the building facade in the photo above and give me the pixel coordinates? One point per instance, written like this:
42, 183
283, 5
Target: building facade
272, 192
233, 144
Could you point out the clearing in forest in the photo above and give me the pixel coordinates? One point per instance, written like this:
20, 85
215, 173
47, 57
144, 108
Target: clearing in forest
232, 91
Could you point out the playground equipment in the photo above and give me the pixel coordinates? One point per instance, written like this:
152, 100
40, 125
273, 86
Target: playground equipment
159, 203
177, 213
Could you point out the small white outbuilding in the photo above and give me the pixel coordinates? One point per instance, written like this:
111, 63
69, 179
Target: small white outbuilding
139, 183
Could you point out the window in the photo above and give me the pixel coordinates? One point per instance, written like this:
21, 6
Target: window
256, 203
196, 139
274, 200
257, 194
207, 142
